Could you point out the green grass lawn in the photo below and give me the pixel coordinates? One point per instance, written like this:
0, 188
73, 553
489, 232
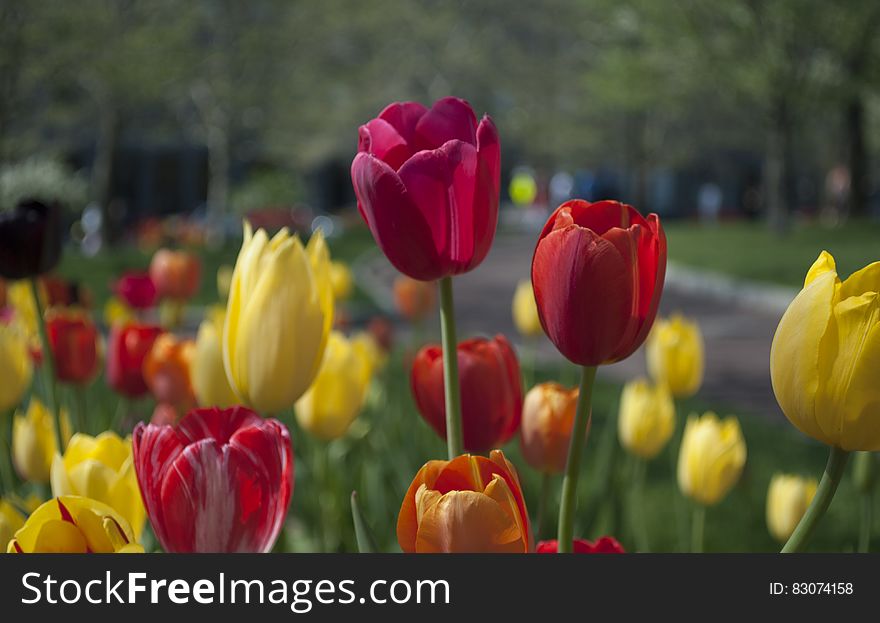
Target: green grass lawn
751, 251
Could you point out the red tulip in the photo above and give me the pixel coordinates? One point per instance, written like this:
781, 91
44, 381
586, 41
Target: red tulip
175, 273
74, 342
604, 545
491, 391
427, 185
127, 348
598, 274
219, 481
136, 289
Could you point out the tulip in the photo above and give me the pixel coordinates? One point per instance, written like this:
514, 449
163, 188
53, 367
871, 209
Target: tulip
603, 545
598, 273
278, 317
369, 349
468, 504
491, 391
30, 239
336, 397
823, 365
674, 351
224, 281
175, 273
74, 525
73, 339
414, 299
712, 456
21, 300
787, 500
525, 311
11, 522
427, 184
16, 366
63, 293
33, 441
137, 290
219, 481
206, 370
341, 280
128, 347
100, 468
118, 312
547, 419
166, 371
647, 418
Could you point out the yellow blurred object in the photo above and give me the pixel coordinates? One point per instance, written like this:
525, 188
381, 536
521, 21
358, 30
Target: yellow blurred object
525, 310
224, 281
523, 188
674, 352
33, 441
647, 418
208, 375
11, 521
370, 351
16, 365
788, 498
101, 468
74, 525
336, 397
342, 280
117, 312
711, 459
825, 357
278, 317
20, 297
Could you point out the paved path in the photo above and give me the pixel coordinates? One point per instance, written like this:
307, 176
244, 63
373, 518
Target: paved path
737, 322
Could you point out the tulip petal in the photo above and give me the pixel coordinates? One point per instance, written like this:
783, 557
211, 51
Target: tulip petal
404, 117
399, 227
450, 118
407, 519
467, 521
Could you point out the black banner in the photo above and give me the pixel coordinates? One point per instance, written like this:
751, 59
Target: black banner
282, 587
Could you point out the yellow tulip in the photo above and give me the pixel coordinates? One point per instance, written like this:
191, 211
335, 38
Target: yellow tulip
525, 310
711, 459
33, 441
207, 373
20, 298
16, 367
224, 281
647, 418
11, 522
341, 280
332, 403
370, 351
101, 468
674, 352
278, 316
117, 312
787, 500
826, 354
74, 525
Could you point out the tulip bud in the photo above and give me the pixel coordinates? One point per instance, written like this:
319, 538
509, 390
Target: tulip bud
341, 280
127, 348
117, 312
74, 525
646, 419
788, 498
278, 317
825, 354
468, 504
30, 239
547, 419
711, 459
224, 281
100, 468
598, 273
175, 273
166, 371
11, 522
414, 299
525, 311
73, 339
674, 352
16, 366
136, 290
33, 441
206, 370
336, 397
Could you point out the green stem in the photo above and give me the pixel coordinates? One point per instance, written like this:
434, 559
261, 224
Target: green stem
565, 534
454, 436
79, 397
639, 510
837, 459
680, 507
698, 528
542, 504
8, 480
48, 367
867, 520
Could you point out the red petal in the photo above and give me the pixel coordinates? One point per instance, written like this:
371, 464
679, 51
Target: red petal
154, 449
215, 423
450, 118
378, 137
404, 117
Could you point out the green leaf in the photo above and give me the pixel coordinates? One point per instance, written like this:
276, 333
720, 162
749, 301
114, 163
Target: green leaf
365, 539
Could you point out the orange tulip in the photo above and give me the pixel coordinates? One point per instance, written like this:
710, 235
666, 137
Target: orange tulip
414, 299
468, 504
547, 419
175, 273
166, 371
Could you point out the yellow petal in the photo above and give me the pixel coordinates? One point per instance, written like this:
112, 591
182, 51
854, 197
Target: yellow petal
823, 264
59, 537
